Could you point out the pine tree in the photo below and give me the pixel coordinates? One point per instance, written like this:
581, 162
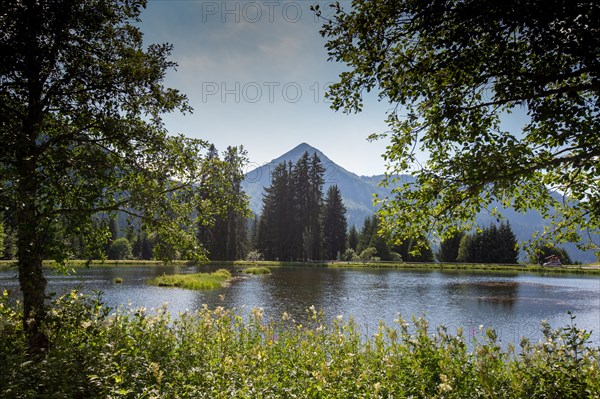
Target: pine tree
148, 247
353, 238
301, 207
334, 224
136, 248
315, 206
448, 251
253, 231
378, 242
492, 244
276, 227
508, 251
365, 235
113, 228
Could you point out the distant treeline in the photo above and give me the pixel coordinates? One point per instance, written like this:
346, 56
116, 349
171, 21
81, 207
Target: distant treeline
297, 223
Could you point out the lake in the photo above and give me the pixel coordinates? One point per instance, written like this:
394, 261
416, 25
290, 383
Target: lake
512, 303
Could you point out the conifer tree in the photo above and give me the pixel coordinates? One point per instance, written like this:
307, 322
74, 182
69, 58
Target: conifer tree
448, 251
276, 222
334, 224
508, 251
365, 235
353, 238
315, 206
301, 206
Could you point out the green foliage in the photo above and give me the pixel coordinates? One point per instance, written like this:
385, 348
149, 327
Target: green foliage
257, 270
334, 224
82, 98
290, 225
409, 250
349, 255
10, 243
448, 251
226, 236
491, 245
368, 255
2, 235
198, 281
222, 354
545, 250
452, 71
120, 249
353, 238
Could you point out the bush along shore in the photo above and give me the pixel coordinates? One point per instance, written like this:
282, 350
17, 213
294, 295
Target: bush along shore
221, 354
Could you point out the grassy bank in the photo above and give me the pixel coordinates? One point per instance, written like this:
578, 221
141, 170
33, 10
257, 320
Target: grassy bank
474, 266
584, 269
220, 354
592, 269
197, 281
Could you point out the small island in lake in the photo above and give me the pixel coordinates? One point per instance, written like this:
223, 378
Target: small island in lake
197, 281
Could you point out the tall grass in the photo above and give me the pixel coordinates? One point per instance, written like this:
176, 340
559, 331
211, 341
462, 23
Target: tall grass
98, 353
198, 281
257, 270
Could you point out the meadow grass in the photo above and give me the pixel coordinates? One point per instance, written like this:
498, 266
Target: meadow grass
197, 281
220, 353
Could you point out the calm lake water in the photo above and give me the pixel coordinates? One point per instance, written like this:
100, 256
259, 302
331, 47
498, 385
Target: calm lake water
514, 304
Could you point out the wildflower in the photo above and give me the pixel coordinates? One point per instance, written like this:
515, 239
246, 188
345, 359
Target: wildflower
258, 313
444, 386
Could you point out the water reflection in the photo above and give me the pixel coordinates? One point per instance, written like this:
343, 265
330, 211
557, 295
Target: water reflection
494, 293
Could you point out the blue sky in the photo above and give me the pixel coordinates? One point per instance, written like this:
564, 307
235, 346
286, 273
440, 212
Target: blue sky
255, 74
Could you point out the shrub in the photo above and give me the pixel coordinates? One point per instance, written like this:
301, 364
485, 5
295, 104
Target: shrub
349, 255
368, 254
395, 257
223, 354
254, 256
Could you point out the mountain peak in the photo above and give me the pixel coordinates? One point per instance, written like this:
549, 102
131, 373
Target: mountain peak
295, 153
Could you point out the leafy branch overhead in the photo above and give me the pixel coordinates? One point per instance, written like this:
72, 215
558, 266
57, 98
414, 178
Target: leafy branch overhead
454, 71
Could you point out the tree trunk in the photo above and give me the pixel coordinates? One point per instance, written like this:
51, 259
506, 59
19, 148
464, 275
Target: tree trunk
31, 277
33, 286
29, 223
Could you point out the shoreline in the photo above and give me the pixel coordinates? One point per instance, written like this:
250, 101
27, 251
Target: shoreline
590, 269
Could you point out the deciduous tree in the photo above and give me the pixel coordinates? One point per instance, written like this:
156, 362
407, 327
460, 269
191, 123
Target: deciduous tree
81, 99
453, 70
